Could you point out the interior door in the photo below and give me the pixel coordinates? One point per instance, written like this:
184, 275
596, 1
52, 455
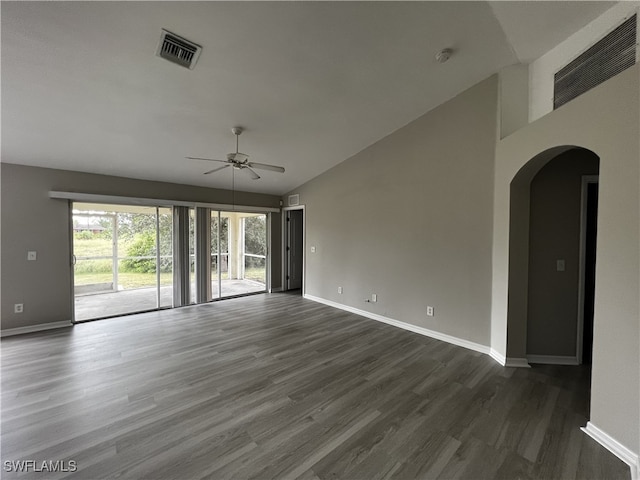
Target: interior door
295, 249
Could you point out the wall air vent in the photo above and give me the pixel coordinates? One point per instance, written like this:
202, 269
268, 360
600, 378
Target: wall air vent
607, 58
294, 200
178, 50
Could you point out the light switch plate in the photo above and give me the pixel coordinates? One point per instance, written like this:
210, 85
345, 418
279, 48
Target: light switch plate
560, 265
313, 249
32, 255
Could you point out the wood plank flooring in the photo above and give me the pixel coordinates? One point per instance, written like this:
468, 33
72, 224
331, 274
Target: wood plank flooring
274, 386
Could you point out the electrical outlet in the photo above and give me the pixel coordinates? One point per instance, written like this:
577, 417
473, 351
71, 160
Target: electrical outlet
374, 298
340, 290
313, 249
560, 265
18, 308
430, 311
31, 256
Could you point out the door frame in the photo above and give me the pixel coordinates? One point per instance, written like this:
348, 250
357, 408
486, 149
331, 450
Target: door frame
72, 262
586, 181
285, 260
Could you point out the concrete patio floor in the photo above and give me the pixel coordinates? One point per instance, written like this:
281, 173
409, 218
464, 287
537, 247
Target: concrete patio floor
99, 305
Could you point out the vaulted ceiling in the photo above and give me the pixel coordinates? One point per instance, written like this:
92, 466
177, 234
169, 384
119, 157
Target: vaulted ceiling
312, 82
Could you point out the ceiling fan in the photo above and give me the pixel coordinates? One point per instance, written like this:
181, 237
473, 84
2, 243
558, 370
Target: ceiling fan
240, 161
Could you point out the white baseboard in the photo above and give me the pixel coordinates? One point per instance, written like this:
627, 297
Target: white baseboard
615, 447
460, 342
498, 357
512, 362
516, 362
34, 328
553, 360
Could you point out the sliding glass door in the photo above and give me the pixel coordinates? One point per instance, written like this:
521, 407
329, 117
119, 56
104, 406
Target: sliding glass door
254, 246
238, 253
246, 241
219, 252
123, 259
130, 259
165, 257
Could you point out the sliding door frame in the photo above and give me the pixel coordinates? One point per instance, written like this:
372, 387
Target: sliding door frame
72, 263
76, 197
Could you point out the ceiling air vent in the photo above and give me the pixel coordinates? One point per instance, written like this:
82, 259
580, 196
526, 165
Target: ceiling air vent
178, 50
607, 58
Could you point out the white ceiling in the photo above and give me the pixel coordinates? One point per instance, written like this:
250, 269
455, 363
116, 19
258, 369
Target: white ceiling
312, 82
535, 27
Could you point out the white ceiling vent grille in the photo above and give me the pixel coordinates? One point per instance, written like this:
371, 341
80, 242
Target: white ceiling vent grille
178, 50
607, 58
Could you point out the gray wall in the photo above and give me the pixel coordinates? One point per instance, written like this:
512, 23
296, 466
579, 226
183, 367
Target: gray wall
32, 221
409, 218
554, 233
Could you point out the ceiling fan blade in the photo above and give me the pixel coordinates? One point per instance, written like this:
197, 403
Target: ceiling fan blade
265, 166
252, 172
207, 159
216, 169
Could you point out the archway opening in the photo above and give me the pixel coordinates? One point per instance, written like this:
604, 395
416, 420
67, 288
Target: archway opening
547, 257
561, 270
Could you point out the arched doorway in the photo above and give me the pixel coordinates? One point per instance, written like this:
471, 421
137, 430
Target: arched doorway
606, 122
561, 272
540, 257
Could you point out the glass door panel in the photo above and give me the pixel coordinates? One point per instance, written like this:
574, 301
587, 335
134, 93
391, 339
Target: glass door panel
246, 253
165, 240
229, 255
223, 255
215, 255
93, 260
255, 250
116, 259
137, 257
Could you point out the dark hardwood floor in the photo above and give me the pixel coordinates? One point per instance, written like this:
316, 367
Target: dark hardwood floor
274, 386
